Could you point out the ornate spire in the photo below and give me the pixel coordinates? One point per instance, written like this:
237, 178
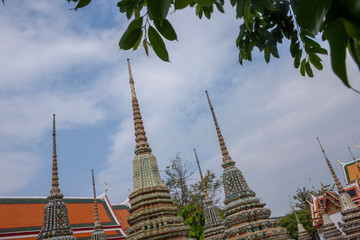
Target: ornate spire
303, 234
245, 215
97, 221
140, 135
337, 182
224, 151
213, 228
98, 233
152, 214
55, 220
206, 195
55, 190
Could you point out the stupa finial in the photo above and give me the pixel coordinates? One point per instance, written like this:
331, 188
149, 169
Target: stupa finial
206, 195
140, 135
55, 190
97, 221
292, 209
337, 182
224, 150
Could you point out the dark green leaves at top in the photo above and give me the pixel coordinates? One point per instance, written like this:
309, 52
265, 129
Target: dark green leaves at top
158, 44
180, 4
82, 3
310, 13
337, 36
158, 9
165, 29
132, 34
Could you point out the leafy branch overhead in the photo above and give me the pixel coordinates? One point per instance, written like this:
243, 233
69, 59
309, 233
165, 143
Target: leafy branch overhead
265, 24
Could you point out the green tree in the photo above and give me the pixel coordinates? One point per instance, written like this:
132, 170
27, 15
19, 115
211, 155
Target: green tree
195, 219
176, 177
290, 224
266, 23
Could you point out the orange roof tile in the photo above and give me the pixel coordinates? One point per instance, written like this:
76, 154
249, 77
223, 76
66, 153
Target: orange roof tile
122, 214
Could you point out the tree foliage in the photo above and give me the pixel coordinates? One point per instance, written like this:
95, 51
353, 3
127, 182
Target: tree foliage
266, 23
176, 178
194, 217
290, 224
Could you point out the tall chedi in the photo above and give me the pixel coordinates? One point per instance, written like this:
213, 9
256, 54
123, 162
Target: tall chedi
98, 233
303, 234
152, 214
245, 217
349, 211
56, 224
214, 228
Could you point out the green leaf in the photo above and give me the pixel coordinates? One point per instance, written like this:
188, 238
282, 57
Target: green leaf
158, 8
180, 4
267, 54
128, 41
165, 29
136, 45
205, 3
274, 50
219, 6
131, 35
315, 61
310, 13
310, 42
302, 67
336, 34
308, 69
233, 2
158, 44
297, 59
247, 13
82, 3
354, 49
319, 50
240, 8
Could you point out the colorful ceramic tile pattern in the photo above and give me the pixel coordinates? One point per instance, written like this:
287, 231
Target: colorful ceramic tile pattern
245, 217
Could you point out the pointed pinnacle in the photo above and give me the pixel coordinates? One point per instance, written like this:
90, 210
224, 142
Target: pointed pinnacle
337, 182
292, 208
140, 135
223, 148
207, 198
55, 190
97, 224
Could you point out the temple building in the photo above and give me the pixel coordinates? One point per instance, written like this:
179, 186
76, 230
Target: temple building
98, 233
329, 230
152, 214
303, 234
57, 217
245, 216
21, 217
56, 220
214, 228
349, 211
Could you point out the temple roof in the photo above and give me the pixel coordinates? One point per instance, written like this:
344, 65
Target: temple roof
23, 216
351, 171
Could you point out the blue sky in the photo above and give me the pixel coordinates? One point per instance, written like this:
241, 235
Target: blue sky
54, 60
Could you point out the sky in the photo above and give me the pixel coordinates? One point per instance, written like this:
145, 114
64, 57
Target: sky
56, 60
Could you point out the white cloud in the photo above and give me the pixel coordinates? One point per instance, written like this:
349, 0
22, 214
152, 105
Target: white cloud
269, 114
